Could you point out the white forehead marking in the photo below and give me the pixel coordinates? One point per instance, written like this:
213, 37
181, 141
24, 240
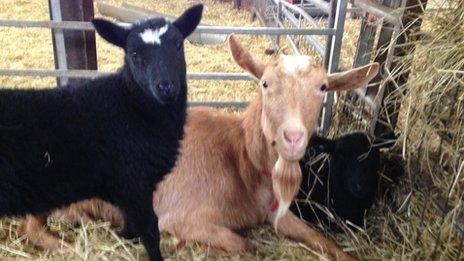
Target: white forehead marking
125, 25
295, 63
150, 36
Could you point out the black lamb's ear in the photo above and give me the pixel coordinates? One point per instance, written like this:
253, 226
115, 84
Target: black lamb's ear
322, 144
189, 20
111, 32
385, 140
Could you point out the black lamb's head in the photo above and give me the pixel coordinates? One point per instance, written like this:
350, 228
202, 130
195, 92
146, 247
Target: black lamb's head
154, 51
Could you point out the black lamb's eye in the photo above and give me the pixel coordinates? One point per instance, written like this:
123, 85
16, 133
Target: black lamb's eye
264, 84
179, 46
136, 58
323, 87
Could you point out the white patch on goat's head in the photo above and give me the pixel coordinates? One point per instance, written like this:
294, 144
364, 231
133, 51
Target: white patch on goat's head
294, 63
150, 36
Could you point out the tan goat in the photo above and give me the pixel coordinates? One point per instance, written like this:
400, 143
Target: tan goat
223, 180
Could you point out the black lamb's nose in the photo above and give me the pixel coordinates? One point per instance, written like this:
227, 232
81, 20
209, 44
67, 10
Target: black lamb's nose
166, 87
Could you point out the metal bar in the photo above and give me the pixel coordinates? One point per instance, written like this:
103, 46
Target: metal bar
263, 30
330, 24
94, 73
74, 25
278, 20
309, 6
365, 42
220, 76
385, 39
334, 46
128, 13
59, 48
339, 26
68, 25
296, 51
53, 73
313, 41
294, 46
380, 10
362, 57
262, 21
326, 114
147, 11
300, 11
219, 104
324, 6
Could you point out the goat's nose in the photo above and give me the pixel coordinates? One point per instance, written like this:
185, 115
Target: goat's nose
165, 87
293, 136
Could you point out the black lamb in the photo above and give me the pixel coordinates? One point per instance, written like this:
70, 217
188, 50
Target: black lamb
112, 138
344, 187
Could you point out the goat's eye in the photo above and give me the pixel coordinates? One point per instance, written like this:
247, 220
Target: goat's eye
264, 84
323, 87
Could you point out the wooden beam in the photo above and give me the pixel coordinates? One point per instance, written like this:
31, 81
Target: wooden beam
79, 46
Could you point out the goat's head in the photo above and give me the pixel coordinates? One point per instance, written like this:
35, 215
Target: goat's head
154, 52
292, 93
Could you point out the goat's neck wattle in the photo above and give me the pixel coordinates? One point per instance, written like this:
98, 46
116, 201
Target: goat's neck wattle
260, 151
286, 175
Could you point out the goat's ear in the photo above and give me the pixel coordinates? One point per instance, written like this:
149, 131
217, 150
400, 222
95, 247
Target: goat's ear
385, 140
111, 32
322, 144
189, 20
353, 78
244, 59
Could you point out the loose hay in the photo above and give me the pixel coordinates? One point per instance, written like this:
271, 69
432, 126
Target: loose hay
407, 225
410, 224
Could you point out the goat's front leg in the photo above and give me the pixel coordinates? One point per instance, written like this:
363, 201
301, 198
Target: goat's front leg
297, 230
215, 236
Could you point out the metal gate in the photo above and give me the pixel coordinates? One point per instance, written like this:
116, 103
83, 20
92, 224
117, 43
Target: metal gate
276, 14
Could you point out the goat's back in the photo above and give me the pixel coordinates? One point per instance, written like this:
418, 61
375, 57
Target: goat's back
208, 177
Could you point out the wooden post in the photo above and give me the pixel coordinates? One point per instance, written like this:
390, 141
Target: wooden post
237, 4
79, 46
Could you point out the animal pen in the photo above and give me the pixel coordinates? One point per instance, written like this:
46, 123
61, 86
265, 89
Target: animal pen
388, 34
